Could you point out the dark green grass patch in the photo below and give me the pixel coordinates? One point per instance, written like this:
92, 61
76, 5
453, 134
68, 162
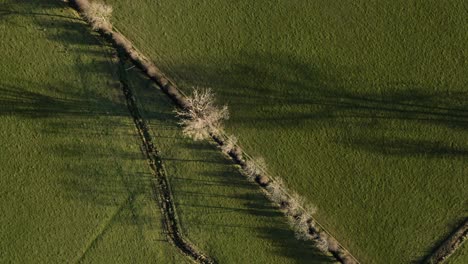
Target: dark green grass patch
360, 106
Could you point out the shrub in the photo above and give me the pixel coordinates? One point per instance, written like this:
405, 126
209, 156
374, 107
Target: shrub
321, 242
254, 167
229, 144
98, 15
120, 40
333, 245
201, 117
309, 208
81, 4
347, 260
263, 180
300, 226
294, 205
276, 192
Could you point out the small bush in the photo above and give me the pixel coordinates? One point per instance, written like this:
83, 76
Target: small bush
120, 40
82, 4
321, 242
229, 144
294, 205
333, 245
276, 192
254, 167
309, 208
263, 180
300, 226
201, 117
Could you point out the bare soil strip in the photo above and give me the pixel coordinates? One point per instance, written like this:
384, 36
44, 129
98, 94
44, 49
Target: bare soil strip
450, 245
160, 184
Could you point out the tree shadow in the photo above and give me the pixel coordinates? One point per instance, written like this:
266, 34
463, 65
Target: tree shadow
279, 91
409, 147
267, 83
14, 100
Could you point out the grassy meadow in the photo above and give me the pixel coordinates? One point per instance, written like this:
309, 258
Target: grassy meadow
75, 187
359, 106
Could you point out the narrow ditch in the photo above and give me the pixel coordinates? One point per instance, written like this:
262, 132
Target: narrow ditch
160, 183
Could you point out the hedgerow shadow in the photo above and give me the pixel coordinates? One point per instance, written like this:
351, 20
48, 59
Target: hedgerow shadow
212, 199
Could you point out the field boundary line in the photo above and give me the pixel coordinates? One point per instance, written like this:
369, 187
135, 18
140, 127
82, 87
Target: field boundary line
453, 242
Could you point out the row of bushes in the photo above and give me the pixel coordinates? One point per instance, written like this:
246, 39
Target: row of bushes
293, 205
202, 119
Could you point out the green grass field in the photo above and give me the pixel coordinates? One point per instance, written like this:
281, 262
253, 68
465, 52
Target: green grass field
74, 185
360, 107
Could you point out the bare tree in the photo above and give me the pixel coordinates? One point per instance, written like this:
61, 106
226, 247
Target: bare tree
98, 14
202, 118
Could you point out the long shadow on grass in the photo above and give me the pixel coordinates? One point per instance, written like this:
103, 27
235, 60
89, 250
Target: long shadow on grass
279, 90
